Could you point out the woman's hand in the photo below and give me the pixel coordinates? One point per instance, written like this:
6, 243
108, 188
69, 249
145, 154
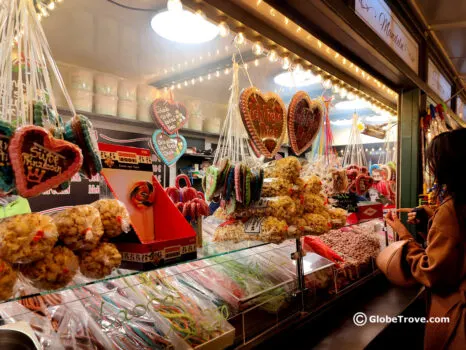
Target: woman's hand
394, 222
412, 219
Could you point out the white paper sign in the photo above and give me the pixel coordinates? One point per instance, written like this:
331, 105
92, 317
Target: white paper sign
383, 21
438, 82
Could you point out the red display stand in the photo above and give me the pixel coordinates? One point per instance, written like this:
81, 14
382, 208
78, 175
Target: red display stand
160, 234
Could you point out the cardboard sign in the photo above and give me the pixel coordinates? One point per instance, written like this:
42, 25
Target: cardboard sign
41, 162
304, 121
169, 115
169, 147
264, 117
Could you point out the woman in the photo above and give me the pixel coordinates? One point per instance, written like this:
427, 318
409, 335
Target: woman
441, 267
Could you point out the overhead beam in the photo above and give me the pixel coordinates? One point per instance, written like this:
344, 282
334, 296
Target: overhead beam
447, 25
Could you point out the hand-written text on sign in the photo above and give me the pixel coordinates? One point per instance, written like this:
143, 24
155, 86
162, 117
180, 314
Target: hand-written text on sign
267, 117
303, 122
168, 146
38, 160
170, 115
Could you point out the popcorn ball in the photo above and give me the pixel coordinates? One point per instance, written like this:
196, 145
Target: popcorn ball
312, 202
26, 238
312, 184
281, 207
337, 217
287, 168
79, 227
55, 271
316, 224
276, 187
115, 217
100, 261
7, 280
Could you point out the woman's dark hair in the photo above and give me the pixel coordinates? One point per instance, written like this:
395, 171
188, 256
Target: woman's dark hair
446, 156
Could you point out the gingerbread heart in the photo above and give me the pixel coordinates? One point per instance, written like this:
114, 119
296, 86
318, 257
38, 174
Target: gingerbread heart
305, 118
264, 117
169, 147
363, 183
40, 161
169, 115
352, 174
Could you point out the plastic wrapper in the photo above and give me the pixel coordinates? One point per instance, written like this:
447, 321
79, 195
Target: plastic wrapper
337, 217
100, 261
315, 224
57, 326
128, 323
26, 238
55, 271
286, 168
115, 217
311, 203
79, 227
193, 317
8, 279
309, 184
273, 187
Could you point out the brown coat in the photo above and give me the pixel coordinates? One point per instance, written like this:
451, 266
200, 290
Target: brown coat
441, 267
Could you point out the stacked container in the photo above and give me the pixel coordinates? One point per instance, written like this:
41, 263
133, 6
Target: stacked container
146, 94
127, 105
106, 94
81, 85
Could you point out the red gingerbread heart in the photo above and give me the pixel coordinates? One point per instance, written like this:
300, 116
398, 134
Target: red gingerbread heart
352, 174
170, 115
305, 118
264, 117
363, 183
41, 162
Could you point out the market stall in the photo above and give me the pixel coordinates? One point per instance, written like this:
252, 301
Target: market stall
175, 179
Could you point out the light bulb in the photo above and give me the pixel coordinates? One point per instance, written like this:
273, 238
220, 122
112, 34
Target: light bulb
351, 96
217, 74
319, 77
185, 83
209, 76
239, 39
224, 29
201, 14
256, 62
172, 87
336, 88
193, 81
51, 5
227, 71
201, 79
174, 5
178, 86
343, 92
327, 84
286, 63
298, 68
257, 48
273, 56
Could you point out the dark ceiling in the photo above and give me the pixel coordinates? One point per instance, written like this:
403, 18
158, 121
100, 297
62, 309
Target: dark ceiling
447, 20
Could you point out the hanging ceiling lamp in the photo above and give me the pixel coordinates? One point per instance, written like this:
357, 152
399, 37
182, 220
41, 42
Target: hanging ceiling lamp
182, 26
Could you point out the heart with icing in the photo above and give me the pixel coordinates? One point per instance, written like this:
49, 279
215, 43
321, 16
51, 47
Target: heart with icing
363, 183
305, 118
169, 147
6, 171
169, 115
40, 161
264, 117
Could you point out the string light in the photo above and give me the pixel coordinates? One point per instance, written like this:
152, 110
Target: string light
224, 29
209, 76
239, 39
286, 63
201, 79
227, 71
217, 74
336, 88
256, 62
298, 67
327, 84
351, 96
273, 56
193, 81
343, 92
257, 48
185, 83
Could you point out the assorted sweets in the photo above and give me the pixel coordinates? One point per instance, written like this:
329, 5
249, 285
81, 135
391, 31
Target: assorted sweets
79, 227
55, 271
100, 261
27, 238
114, 217
289, 206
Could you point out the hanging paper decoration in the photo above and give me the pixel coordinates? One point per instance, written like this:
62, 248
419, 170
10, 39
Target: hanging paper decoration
264, 117
305, 118
169, 115
170, 148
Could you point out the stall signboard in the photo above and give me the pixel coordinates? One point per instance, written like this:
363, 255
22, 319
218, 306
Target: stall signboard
384, 22
437, 82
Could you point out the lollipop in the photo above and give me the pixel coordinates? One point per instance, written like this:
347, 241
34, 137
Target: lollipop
142, 194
